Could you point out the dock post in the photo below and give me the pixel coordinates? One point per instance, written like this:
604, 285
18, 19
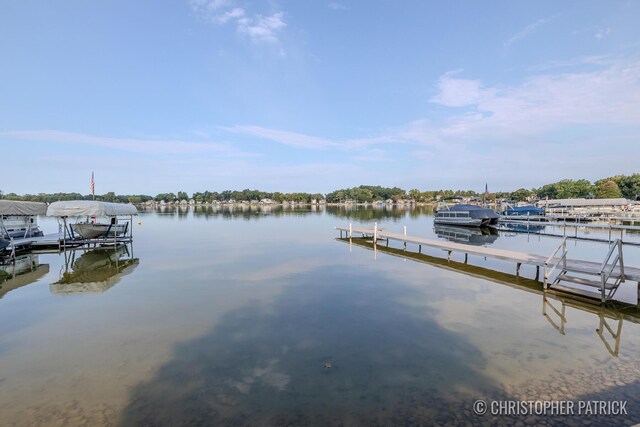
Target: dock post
350, 230
448, 255
466, 256
518, 268
405, 235
375, 233
419, 249
537, 273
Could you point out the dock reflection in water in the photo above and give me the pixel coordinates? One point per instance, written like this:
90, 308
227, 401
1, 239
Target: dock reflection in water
478, 236
25, 270
95, 271
609, 321
609, 318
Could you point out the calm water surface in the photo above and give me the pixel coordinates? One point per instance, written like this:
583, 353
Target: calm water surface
262, 318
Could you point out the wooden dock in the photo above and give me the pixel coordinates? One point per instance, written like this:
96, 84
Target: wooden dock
615, 270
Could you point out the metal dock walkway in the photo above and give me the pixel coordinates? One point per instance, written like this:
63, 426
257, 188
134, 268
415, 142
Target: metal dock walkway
612, 269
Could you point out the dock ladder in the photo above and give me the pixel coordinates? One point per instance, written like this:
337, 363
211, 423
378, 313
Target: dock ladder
606, 279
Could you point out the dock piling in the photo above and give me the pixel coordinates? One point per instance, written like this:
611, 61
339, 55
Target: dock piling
375, 233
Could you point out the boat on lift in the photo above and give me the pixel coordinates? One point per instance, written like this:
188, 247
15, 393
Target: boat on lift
96, 219
19, 220
527, 210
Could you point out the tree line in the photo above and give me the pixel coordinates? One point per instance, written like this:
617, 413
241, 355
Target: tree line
627, 186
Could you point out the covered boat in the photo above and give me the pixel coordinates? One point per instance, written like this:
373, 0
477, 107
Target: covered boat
467, 215
99, 219
523, 211
19, 219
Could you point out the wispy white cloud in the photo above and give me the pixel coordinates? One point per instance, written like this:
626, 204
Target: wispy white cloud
453, 92
208, 6
231, 14
126, 144
291, 139
602, 33
526, 31
262, 28
299, 140
578, 122
525, 122
589, 60
338, 6
258, 27
609, 95
375, 155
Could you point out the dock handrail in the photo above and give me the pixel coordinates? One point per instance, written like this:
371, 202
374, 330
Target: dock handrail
563, 258
605, 273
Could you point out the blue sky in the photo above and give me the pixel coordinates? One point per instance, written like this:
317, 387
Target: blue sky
313, 96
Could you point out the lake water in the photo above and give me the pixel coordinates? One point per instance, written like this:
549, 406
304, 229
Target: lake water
262, 317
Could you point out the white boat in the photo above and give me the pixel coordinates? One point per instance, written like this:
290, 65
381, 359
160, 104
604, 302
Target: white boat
90, 230
96, 219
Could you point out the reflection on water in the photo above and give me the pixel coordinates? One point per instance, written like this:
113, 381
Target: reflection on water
523, 227
256, 211
94, 271
608, 319
478, 236
236, 321
25, 270
266, 365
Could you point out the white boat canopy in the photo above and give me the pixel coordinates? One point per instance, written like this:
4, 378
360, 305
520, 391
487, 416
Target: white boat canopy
90, 208
17, 208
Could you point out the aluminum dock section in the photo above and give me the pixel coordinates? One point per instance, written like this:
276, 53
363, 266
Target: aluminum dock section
612, 269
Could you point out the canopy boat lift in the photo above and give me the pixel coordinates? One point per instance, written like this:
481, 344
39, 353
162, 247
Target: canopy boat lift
117, 229
18, 226
19, 219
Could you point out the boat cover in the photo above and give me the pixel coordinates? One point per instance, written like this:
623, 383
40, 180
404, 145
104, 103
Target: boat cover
17, 208
90, 208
